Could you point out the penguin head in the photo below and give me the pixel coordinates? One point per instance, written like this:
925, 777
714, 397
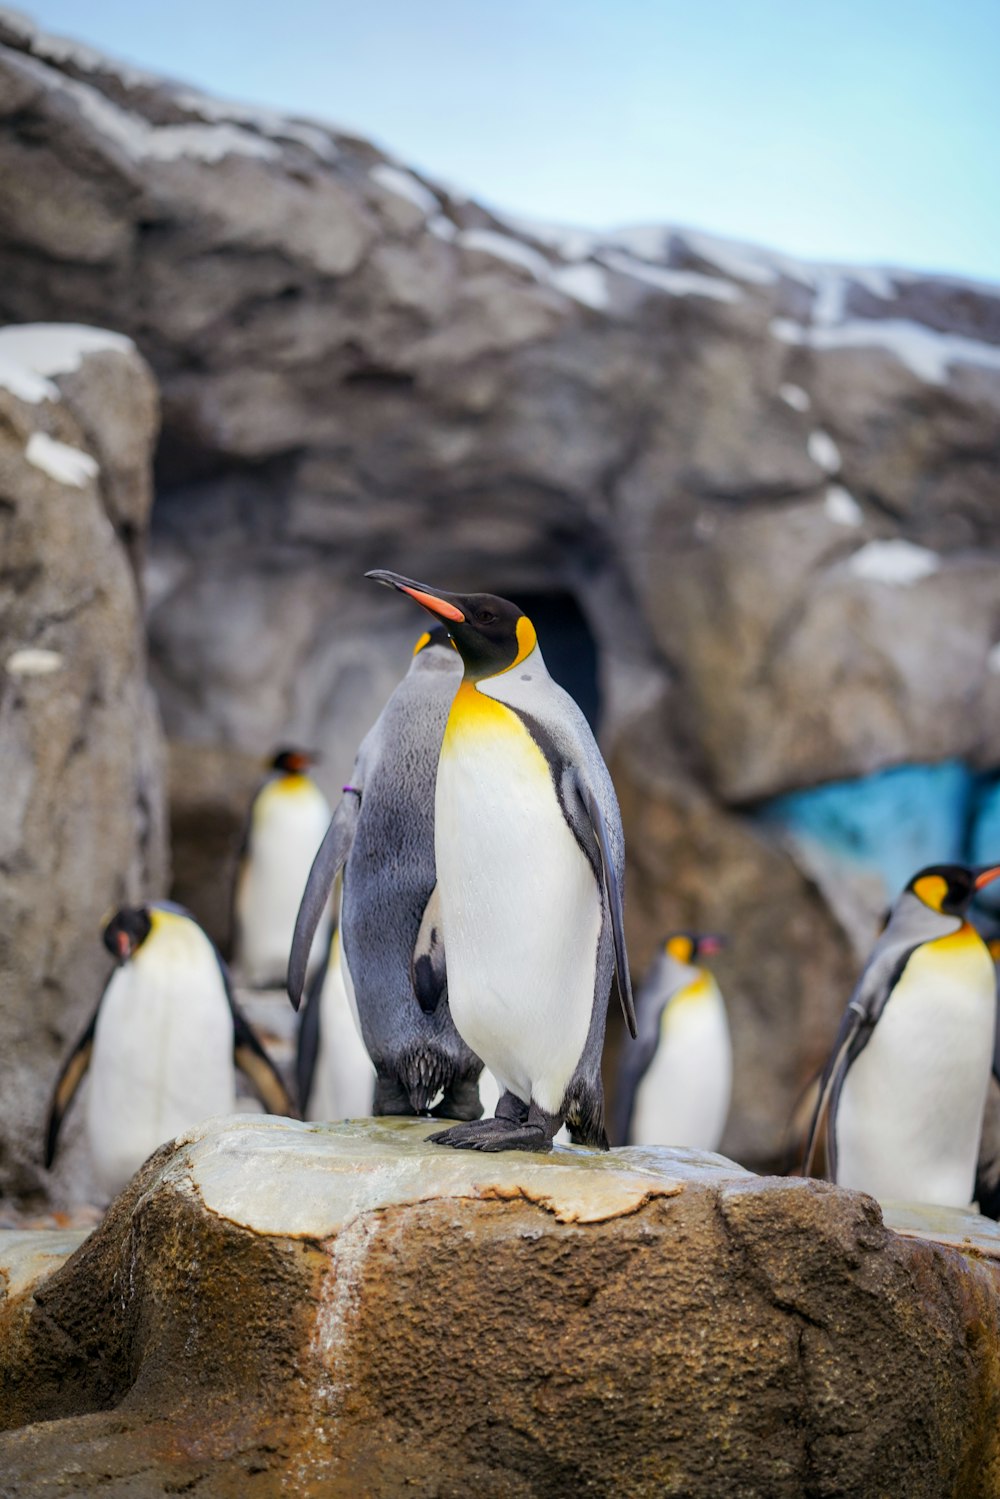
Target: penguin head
437, 635
948, 888
127, 930
294, 762
688, 947
490, 634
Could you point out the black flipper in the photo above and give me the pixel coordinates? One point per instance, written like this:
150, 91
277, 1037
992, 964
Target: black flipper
427, 968
613, 892
307, 1044
251, 1058
69, 1080
329, 861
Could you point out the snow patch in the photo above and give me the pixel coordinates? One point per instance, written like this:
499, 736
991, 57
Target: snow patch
675, 283
584, 282
896, 562
502, 247
267, 121
795, 396
742, 261
443, 227
65, 464
841, 506
30, 352
926, 352
404, 185
824, 451
32, 661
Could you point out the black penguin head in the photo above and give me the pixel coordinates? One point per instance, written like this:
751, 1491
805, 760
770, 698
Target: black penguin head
491, 634
127, 930
294, 762
688, 947
948, 888
436, 635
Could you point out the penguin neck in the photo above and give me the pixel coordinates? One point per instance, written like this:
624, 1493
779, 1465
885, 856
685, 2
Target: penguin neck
528, 664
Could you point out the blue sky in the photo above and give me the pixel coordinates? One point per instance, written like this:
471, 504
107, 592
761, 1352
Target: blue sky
846, 131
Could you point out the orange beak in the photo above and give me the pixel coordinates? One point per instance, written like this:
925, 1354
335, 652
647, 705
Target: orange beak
987, 875
418, 591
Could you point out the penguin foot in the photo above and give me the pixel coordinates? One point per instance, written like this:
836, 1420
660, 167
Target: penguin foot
516, 1127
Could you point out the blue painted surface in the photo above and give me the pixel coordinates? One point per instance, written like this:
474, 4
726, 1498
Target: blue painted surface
897, 821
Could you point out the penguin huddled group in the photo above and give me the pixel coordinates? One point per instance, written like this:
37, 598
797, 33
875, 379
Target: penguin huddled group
455, 928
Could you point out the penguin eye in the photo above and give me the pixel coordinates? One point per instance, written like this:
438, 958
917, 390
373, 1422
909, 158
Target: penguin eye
485, 617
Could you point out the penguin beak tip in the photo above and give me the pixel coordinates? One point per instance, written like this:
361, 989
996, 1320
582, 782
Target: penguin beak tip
987, 875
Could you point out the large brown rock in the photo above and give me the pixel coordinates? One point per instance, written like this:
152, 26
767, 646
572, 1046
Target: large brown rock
347, 1310
82, 815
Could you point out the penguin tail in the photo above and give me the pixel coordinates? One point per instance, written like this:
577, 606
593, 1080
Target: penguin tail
583, 1111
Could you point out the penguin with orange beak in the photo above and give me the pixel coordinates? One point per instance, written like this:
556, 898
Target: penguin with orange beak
530, 861
902, 1095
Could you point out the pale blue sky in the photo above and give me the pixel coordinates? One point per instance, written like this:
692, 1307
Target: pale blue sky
828, 128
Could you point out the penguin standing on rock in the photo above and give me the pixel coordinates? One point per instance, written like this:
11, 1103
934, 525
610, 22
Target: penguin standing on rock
285, 826
530, 855
674, 1086
392, 955
160, 1046
901, 1100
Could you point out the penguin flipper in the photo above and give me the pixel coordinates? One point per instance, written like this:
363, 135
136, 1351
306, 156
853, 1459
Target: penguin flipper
307, 1045
329, 861
427, 966
69, 1080
845, 1048
614, 896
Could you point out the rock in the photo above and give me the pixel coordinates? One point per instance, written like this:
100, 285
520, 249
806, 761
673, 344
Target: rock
82, 818
768, 484
347, 1309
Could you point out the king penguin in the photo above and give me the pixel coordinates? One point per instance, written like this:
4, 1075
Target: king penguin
333, 1070
392, 955
160, 1046
530, 855
901, 1099
287, 819
674, 1086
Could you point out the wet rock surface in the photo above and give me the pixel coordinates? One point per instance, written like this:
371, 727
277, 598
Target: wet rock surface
83, 810
274, 1307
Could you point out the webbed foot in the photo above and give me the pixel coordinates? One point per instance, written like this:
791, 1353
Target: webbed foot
516, 1127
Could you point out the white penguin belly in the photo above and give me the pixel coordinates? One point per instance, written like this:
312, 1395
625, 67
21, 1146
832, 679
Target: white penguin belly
910, 1116
683, 1098
345, 1078
163, 1053
521, 908
286, 831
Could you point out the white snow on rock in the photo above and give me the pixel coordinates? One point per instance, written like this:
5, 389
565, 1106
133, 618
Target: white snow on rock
824, 451
928, 353
32, 661
30, 352
896, 562
675, 283
795, 396
442, 226
65, 464
404, 185
841, 506
742, 261
502, 247
267, 121
584, 282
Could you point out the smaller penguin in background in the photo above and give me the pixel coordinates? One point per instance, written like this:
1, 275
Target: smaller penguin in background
900, 1109
288, 818
674, 1086
160, 1046
335, 1075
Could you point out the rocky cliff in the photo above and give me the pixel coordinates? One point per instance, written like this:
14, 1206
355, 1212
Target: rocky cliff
767, 487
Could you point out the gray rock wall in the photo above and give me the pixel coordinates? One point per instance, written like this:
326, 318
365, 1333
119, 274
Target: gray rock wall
82, 811
770, 485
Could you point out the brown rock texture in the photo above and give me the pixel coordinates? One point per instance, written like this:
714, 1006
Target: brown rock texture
82, 816
769, 486
273, 1307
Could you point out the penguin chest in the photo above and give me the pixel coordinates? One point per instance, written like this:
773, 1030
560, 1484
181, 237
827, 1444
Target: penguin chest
521, 906
910, 1114
163, 1052
683, 1099
287, 827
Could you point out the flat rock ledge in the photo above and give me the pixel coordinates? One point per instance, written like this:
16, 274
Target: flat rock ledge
281, 1308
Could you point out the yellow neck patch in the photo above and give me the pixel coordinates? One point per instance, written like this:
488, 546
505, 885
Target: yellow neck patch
425, 637
679, 948
932, 889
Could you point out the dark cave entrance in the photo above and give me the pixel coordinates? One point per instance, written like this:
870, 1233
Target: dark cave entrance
569, 648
